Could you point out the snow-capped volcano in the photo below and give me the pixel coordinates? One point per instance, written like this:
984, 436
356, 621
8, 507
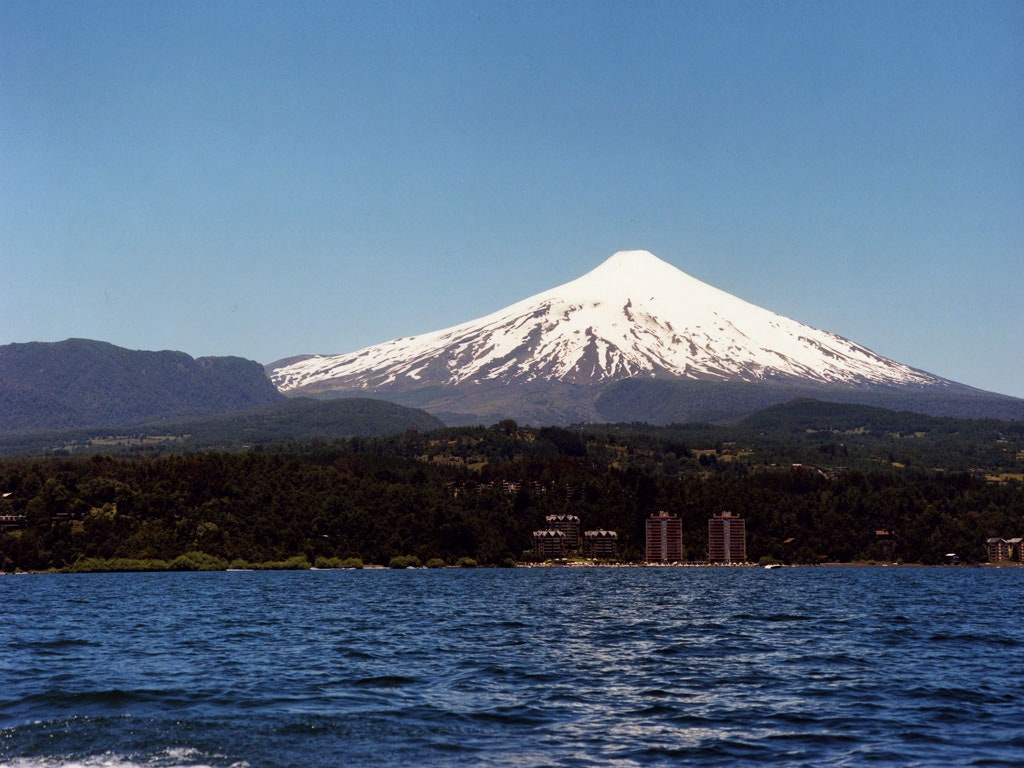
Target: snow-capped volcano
633, 316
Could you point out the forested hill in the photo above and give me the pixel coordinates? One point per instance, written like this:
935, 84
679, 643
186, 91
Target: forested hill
293, 420
806, 414
480, 492
81, 383
661, 401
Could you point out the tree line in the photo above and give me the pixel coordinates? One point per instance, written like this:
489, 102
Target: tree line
477, 494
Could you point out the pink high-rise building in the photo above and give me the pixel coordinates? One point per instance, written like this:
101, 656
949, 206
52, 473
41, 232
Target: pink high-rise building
727, 539
664, 538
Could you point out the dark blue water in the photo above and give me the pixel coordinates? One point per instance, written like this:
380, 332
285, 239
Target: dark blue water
566, 667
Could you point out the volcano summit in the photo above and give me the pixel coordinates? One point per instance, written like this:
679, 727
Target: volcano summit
557, 356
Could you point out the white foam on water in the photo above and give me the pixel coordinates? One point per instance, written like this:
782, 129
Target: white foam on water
176, 757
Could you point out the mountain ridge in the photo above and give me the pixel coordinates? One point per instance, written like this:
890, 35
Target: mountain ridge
84, 383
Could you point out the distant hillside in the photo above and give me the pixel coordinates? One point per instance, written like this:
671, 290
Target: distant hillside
302, 419
804, 416
666, 401
813, 433
298, 420
82, 383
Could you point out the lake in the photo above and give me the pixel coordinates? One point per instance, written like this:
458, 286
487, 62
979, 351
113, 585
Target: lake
830, 666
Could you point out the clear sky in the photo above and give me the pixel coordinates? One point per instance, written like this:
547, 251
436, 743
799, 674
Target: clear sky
267, 179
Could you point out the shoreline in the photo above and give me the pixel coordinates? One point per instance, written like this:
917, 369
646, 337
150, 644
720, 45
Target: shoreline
374, 567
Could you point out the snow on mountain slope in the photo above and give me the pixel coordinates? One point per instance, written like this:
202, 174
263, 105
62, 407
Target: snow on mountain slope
634, 315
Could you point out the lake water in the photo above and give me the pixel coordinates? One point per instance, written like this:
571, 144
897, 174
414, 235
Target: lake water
524, 667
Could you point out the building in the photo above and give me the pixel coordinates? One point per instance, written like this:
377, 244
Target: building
11, 521
569, 525
549, 544
664, 538
1005, 550
727, 539
601, 545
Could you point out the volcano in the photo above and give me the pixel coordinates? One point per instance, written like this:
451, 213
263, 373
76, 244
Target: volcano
606, 337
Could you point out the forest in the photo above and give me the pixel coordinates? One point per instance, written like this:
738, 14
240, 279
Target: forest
818, 486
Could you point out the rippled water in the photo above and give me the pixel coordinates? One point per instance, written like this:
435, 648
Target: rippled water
568, 667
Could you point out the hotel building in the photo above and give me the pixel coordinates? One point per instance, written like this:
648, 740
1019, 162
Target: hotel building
727, 539
549, 544
1005, 550
664, 538
601, 545
567, 524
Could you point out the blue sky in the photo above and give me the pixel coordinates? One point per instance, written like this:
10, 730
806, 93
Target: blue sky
267, 179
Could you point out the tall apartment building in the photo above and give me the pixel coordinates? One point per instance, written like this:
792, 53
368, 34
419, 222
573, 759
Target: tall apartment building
664, 538
567, 524
727, 539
